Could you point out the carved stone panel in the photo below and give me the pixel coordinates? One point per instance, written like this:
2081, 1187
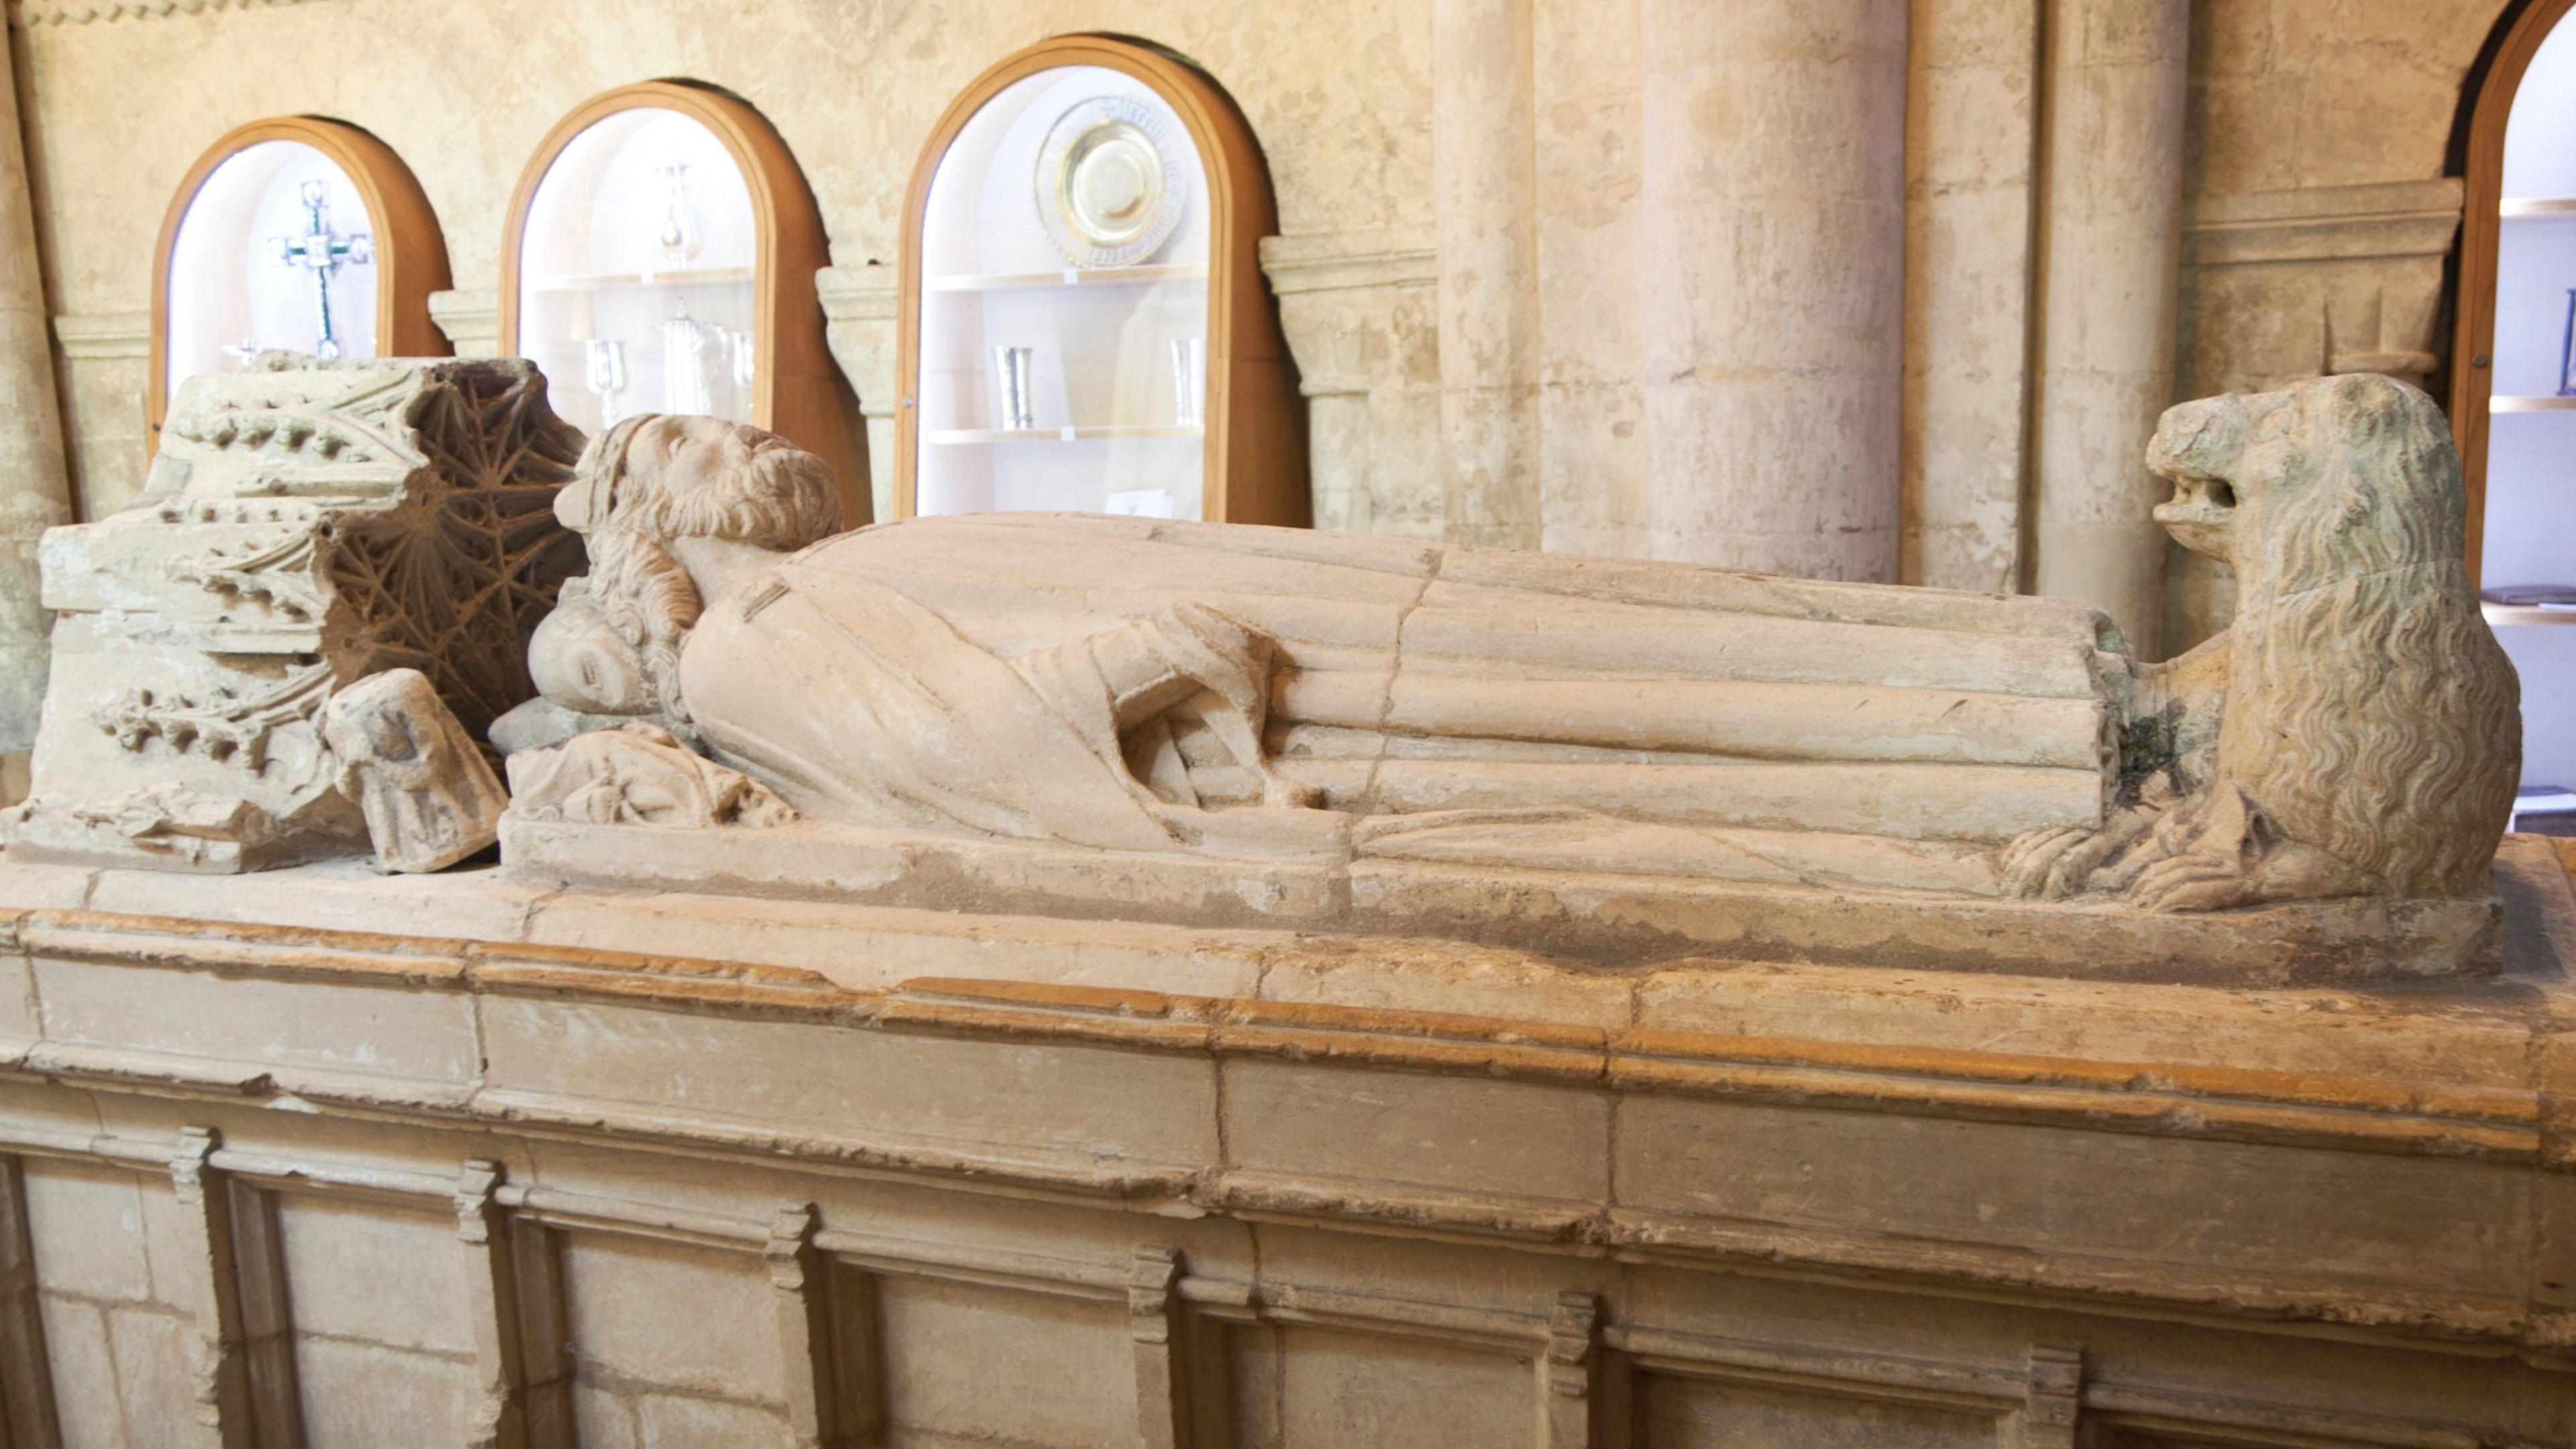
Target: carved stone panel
304, 526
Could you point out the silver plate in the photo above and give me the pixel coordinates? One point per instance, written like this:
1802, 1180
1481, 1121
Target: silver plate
1110, 185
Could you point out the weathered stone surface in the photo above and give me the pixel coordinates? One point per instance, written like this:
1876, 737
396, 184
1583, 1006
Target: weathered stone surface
1415, 1203
1228, 726
308, 526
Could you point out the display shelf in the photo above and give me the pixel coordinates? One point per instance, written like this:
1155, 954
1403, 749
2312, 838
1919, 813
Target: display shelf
2519, 186
618, 281
1080, 240
2502, 615
1133, 276
943, 437
2517, 259
660, 256
280, 225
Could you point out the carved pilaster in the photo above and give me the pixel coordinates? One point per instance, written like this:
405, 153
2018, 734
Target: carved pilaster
1569, 1371
2049, 1412
216, 1360
1360, 311
470, 319
827, 1355
1153, 1321
492, 1302
861, 306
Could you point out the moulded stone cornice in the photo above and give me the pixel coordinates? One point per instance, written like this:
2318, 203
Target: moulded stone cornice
865, 293
1350, 260
83, 12
470, 318
105, 335
2324, 223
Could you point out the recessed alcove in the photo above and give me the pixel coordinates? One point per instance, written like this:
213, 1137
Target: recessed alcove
660, 257
1085, 326
2513, 402
293, 233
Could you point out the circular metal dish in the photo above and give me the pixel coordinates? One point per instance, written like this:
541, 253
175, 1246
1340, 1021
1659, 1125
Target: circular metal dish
1110, 186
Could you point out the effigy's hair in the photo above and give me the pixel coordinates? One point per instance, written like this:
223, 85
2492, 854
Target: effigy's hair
647, 596
783, 499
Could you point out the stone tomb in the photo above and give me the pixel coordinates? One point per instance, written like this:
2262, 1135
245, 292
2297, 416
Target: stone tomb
1065, 982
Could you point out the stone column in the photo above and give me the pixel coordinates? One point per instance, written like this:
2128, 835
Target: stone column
1971, 145
1773, 171
2114, 71
1484, 199
35, 489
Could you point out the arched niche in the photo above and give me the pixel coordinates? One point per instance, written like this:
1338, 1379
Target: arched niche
242, 263
1096, 202
2517, 258
662, 239
2513, 362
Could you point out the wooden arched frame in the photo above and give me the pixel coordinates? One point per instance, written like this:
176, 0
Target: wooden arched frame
2473, 342
797, 390
1255, 463
411, 255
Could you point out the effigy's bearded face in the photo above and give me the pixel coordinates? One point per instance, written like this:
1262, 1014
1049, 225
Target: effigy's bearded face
666, 454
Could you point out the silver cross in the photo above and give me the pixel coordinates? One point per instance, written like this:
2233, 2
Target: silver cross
322, 252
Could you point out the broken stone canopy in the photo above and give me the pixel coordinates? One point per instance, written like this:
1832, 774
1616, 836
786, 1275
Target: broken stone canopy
306, 525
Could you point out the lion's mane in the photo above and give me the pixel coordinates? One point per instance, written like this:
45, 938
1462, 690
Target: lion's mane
2370, 712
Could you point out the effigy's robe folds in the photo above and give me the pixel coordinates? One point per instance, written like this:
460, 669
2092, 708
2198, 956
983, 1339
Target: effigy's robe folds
1613, 761
305, 526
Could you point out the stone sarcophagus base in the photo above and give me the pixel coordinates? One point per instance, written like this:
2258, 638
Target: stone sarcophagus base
1597, 918
299, 1155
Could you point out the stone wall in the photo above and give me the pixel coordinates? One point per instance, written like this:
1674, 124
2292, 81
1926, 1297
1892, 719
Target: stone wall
1810, 287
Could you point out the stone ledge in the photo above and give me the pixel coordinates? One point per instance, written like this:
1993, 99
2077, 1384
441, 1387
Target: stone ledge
2349, 1110
2325, 223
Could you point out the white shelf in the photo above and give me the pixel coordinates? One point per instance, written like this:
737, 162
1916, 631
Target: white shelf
2526, 614
1070, 277
2542, 404
947, 436
2530, 206
622, 281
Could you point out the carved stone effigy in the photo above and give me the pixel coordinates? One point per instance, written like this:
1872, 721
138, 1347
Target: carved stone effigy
1604, 759
305, 526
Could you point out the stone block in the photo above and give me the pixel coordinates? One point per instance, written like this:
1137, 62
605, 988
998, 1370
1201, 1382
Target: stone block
673, 1316
362, 1270
1323, 1386
1084, 1104
365, 1396
1937, 1191
1394, 1132
87, 1398
972, 1364
155, 1385
86, 1223
474, 903
668, 1421
1700, 1413
386, 1031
